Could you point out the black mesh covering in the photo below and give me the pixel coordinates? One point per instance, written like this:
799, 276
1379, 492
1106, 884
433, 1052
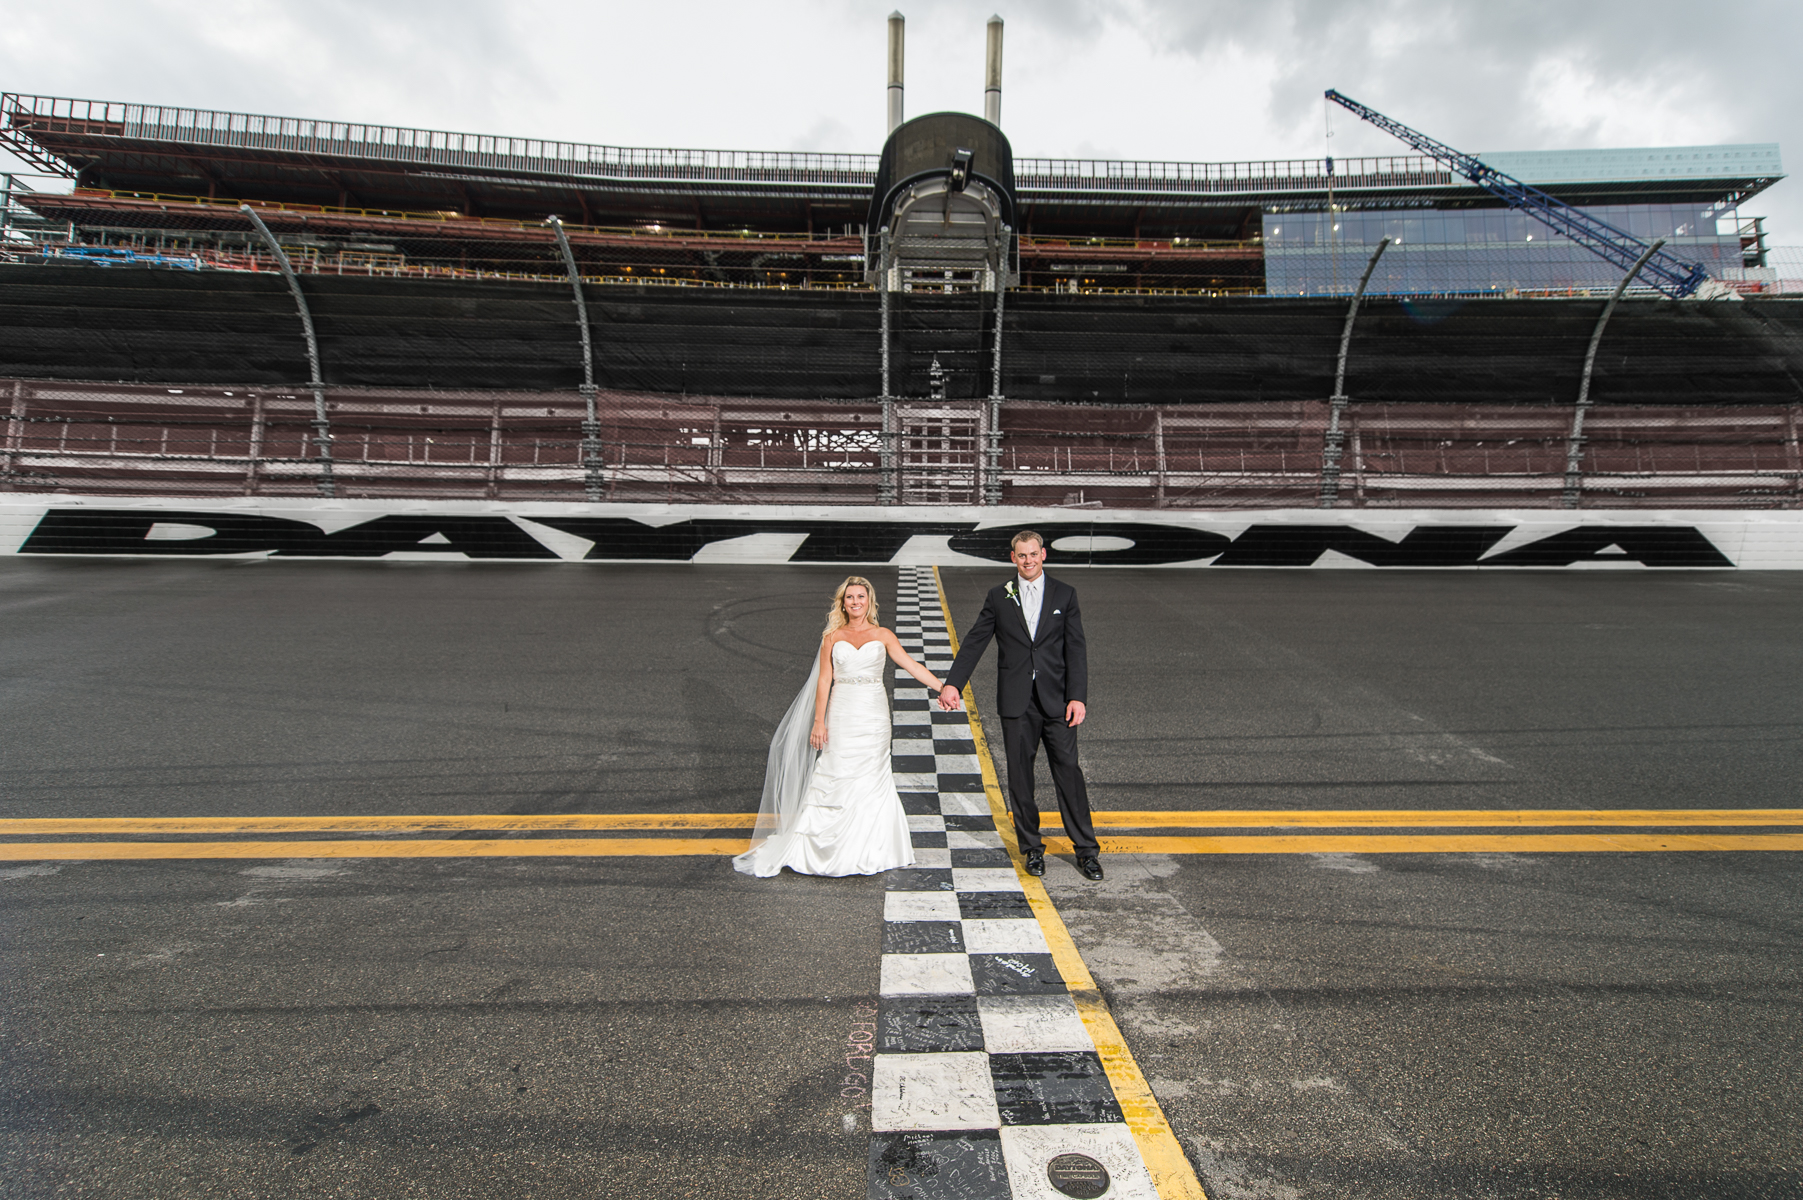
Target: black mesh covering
155, 326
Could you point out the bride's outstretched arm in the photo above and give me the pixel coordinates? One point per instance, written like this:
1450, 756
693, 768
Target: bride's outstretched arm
817, 738
906, 663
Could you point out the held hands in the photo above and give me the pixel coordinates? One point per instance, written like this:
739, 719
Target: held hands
1074, 712
817, 738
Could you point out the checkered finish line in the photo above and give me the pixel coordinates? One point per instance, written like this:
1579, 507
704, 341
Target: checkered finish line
983, 1069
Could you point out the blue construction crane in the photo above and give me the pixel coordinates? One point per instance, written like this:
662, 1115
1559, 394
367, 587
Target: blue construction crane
1670, 274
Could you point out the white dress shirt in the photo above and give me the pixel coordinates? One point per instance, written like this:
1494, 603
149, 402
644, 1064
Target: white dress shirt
1032, 599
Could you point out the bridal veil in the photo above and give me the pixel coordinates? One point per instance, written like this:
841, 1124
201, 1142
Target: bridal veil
787, 772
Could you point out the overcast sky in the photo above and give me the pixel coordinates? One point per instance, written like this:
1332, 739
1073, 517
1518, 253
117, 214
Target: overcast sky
1170, 79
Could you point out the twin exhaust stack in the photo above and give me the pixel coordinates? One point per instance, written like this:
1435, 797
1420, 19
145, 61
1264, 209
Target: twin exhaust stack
992, 70
992, 74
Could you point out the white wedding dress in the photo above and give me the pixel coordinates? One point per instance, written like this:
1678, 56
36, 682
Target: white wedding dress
848, 820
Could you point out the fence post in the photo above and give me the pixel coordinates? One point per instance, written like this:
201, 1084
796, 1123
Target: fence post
1336, 403
716, 453
494, 450
1158, 447
887, 489
322, 426
256, 444
992, 449
15, 433
1793, 458
592, 479
1574, 444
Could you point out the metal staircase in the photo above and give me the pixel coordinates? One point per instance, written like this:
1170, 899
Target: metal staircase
939, 446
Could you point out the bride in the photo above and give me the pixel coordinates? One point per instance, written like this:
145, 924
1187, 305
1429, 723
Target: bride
838, 813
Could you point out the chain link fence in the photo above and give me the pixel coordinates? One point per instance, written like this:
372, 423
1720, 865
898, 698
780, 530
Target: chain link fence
100, 439
747, 369
133, 440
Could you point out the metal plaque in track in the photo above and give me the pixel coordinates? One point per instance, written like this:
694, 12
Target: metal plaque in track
1078, 1176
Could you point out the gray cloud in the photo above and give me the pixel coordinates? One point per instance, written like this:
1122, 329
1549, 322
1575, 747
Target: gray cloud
326, 58
1474, 72
1489, 76
1517, 75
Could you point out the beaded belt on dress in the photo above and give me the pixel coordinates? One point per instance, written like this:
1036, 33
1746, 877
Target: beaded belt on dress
857, 679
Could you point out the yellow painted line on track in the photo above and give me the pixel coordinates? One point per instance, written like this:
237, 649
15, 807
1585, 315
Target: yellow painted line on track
1158, 1146
666, 822
1448, 818
676, 822
1451, 843
1541, 843
374, 848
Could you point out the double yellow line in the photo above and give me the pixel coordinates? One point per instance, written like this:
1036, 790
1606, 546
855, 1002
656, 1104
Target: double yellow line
1449, 818
1627, 830
509, 847
1652, 830
1605, 831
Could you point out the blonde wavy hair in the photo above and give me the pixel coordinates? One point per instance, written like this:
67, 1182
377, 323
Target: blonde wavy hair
835, 616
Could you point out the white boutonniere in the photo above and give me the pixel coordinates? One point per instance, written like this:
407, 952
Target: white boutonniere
1013, 590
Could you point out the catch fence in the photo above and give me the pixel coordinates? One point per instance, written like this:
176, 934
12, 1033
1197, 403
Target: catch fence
138, 440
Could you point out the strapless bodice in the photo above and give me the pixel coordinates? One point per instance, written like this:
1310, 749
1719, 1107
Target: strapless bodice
858, 664
850, 820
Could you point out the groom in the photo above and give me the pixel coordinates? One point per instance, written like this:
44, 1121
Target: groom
1043, 677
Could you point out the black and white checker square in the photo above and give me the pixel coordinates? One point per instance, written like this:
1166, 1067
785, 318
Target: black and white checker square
984, 1070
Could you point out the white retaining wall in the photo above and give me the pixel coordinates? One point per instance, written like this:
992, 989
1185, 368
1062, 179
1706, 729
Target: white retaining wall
63, 525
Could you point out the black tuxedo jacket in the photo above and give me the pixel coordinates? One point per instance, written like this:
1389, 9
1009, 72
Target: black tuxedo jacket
1059, 654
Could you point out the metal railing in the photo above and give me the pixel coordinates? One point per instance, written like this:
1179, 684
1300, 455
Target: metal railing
534, 230
146, 228
136, 440
449, 221
20, 113
1100, 174
397, 143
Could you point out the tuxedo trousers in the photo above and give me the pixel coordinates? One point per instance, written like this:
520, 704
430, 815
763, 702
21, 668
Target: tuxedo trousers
1021, 738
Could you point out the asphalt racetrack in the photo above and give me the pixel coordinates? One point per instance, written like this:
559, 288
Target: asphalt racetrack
1333, 1016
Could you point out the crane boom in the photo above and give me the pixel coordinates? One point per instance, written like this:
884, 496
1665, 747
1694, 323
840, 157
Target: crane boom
1670, 274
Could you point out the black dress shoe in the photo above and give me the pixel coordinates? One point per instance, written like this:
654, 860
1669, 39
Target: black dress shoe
1036, 862
1091, 867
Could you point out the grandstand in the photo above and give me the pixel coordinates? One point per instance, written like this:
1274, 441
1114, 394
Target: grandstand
351, 197
1170, 335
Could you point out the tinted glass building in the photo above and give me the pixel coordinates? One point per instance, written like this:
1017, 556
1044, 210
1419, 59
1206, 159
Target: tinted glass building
1453, 246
